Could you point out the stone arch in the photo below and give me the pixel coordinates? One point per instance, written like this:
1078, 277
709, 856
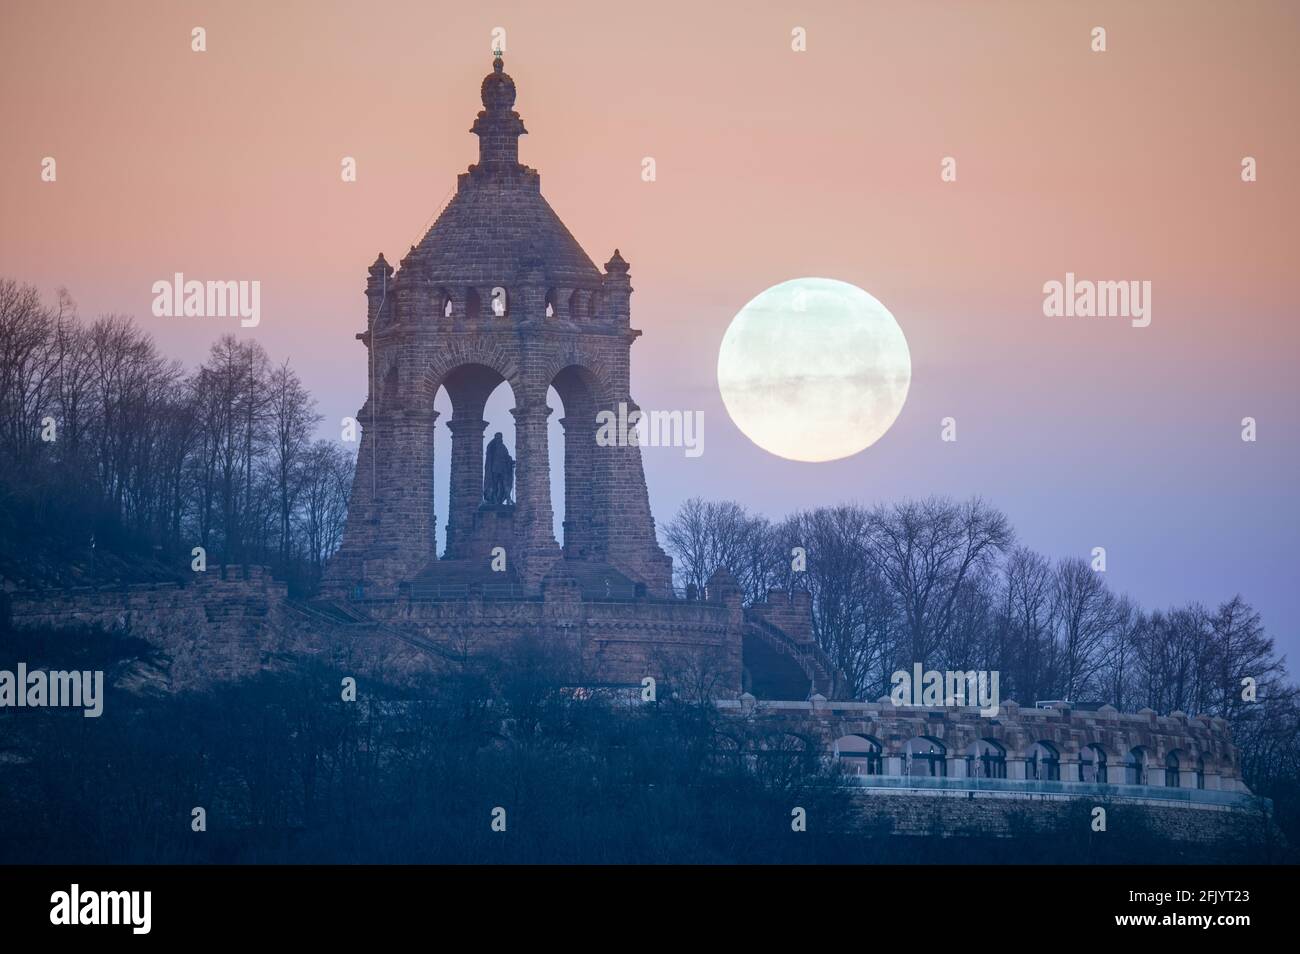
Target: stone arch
483, 353
549, 304
986, 758
590, 366
859, 754
585, 470
444, 304
924, 756
1137, 764
1043, 762
468, 383
1176, 760
1094, 764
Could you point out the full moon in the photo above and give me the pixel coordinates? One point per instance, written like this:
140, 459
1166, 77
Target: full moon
814, 369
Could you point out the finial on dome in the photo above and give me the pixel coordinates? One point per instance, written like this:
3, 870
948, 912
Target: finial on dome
498, 88
616, 264
498, 126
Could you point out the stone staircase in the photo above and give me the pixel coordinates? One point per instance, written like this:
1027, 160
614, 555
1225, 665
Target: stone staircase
349, 621
457, 579
808, 656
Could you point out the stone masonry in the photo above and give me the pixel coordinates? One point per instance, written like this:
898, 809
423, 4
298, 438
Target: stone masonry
497, 290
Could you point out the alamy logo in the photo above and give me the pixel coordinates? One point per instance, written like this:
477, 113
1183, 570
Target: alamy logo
948, 688
651, 429
1088, 299
193, 299
103, 907
38, 689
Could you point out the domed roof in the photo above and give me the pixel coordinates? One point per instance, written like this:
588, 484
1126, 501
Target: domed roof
491, 234
498, 226
498, 89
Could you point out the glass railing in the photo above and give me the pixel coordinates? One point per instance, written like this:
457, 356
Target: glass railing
1068, 789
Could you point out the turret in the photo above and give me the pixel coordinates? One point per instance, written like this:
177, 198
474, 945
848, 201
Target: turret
498, 127
378, 286
617, 287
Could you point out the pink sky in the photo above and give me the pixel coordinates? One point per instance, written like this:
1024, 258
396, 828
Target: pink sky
771, 165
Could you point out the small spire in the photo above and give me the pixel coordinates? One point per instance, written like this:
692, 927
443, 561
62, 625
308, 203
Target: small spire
498, 126
616, 264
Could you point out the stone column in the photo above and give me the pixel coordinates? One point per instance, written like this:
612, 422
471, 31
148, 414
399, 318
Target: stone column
346, 568
390, 531
408, 464
623, 503
1070, 770
533, 513
579, 459
466, 485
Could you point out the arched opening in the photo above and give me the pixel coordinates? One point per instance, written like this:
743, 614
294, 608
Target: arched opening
575, 478
441, 467
1092, 764
1200, 771
1173, 770
500, 302
555, 460
550, 303
1135, 766
496, 412
475, 408
473, 304
925, 757
986, 759
1043, 763
578, 305
859, 754
443, 301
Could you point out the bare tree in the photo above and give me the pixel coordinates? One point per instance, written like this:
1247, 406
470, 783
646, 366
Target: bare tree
705, 535
27, 367
927, 550
1024, 650
853, 609
1084, 611
293, 416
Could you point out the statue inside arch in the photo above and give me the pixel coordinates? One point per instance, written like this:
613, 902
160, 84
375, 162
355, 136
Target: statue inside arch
498, 472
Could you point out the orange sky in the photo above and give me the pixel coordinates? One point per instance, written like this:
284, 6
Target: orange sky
771, 165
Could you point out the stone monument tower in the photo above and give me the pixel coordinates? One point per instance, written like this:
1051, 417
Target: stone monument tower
498, 289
